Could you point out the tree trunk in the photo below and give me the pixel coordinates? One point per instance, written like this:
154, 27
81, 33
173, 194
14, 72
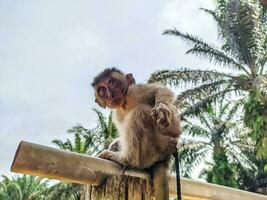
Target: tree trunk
120, 188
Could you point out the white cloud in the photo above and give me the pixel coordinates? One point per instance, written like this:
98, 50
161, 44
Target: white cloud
85, 45
187, 17
51, 50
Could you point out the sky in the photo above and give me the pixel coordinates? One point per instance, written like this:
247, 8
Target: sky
51, 50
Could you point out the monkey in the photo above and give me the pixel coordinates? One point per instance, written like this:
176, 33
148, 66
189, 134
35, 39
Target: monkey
147, 121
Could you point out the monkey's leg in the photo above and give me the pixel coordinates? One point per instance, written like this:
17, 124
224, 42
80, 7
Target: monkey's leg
160, 181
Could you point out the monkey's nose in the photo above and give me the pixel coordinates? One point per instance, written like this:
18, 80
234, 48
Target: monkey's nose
109, 94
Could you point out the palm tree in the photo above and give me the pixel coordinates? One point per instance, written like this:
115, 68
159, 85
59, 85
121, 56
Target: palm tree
65, 191
221, 172
106, 128
23, 188
86, 141
90, 141
254, 177
213, 134
242, 31
83, 141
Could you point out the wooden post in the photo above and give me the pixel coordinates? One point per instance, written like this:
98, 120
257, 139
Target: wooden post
103, 179
120, 188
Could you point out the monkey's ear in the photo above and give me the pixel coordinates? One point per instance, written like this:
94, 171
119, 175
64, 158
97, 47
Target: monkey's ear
100, 103
130, 79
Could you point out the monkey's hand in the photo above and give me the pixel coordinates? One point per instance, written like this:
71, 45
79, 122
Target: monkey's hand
162, 115
171, 145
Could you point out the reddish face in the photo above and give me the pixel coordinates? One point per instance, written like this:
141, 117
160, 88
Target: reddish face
112, 91
264, 2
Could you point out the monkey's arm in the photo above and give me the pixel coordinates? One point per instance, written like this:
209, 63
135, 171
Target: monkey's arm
174, 127
164, 95
165, 113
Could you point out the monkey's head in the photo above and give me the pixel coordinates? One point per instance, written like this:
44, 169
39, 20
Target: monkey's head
111, 87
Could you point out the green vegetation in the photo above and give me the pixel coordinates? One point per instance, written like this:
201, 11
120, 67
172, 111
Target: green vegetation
224, 115
212, 134
85, 141
65, 191
23, 188
242, 31
90, 141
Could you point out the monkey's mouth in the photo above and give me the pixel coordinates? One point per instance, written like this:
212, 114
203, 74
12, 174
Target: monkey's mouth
115, 103
118, 101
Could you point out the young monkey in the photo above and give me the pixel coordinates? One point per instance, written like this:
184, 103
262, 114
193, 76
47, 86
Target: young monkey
147, 121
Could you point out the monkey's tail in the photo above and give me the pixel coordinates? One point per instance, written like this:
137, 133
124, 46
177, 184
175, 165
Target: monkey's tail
178, 180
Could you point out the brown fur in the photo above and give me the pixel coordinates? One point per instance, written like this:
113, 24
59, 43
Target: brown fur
148, 127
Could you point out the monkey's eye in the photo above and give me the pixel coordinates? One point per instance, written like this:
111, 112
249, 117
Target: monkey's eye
101, 91
113, 83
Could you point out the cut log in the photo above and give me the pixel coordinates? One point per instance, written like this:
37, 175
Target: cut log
120, 188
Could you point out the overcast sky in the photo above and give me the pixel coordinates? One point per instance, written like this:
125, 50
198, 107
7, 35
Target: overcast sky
51, 50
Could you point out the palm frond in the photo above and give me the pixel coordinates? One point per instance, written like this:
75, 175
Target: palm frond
23, 187
88, 141
113, 132
68, 145
224, 107
102, 122
245, 32
201, 48
260, 84
203, 104
78, 142
238, 104
204, 119
212, 13
216, 15
200, 92
191, 154
195, 130
187, 76
59, 144
62, 191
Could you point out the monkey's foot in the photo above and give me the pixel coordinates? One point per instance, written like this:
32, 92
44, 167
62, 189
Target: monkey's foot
113, 156
105, 155
162, 115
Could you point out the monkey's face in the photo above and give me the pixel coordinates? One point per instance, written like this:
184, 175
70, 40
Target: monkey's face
111, 91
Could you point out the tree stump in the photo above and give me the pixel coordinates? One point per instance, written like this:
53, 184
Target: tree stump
119, 187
